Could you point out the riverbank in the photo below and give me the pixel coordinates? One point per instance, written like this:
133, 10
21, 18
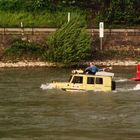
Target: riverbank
28, 64
48, 64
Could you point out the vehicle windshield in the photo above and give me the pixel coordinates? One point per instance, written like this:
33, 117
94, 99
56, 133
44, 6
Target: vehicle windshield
77, 79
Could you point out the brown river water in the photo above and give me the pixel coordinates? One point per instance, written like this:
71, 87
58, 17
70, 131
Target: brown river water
28, 112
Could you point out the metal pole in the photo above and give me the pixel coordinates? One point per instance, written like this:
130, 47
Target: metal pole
101, 43
101, 34
68, 16
22, 28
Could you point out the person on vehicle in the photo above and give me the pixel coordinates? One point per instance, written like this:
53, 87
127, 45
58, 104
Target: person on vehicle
92, 69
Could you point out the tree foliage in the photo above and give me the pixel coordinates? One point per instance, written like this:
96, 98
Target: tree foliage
120, 12
111, 11
70, 43
46, 4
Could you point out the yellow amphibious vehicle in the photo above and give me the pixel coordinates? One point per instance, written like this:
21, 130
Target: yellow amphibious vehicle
79, 81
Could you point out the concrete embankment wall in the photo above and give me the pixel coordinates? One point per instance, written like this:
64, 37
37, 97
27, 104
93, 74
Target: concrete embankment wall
117, 39
113, 38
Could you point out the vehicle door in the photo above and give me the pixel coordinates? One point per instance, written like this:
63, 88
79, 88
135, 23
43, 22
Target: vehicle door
99, 85
90, 83
77, 82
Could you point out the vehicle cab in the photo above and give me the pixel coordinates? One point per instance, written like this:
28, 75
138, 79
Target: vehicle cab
79, 81
91, 82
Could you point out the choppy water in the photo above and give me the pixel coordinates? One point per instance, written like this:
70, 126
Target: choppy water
28, 112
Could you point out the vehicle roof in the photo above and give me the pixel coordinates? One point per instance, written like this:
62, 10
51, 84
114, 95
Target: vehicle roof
90, 75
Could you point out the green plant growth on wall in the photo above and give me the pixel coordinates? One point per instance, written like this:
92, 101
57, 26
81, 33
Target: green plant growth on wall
70, 43
23, 49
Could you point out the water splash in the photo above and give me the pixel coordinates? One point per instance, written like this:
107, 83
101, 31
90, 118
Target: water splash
137, 87
127, 87
46, 86
122, 80
123, 90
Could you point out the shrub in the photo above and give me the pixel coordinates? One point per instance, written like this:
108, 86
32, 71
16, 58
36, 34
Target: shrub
70, 43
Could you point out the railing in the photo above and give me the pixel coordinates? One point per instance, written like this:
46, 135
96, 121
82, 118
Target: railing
26, 30
34, 31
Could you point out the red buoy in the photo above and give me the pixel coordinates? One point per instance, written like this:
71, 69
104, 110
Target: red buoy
137, 78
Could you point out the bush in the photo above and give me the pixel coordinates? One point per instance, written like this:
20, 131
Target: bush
70, 43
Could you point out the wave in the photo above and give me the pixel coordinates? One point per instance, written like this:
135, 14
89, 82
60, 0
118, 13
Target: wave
121, 89
137, 87
46, 86
122, 80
